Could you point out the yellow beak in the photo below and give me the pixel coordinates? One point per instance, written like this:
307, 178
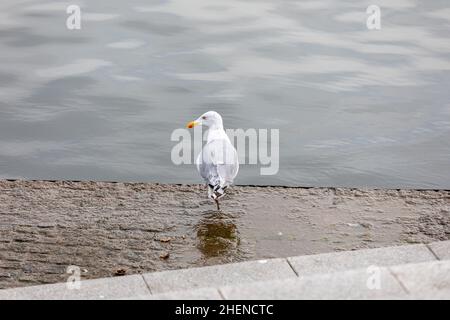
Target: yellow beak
192, 124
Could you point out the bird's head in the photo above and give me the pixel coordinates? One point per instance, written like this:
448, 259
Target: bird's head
210, 119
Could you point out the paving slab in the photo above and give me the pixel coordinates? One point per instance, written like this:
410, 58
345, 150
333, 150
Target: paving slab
215, 276
431, 295
106, 288
348, 260
196, 294
355, 284
424, 277
441, 249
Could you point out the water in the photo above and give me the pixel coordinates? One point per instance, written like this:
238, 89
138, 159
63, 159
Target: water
355, 107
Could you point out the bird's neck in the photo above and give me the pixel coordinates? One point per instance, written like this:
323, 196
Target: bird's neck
215, 132
216, 126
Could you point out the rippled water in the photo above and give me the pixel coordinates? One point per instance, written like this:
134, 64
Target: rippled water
354, 106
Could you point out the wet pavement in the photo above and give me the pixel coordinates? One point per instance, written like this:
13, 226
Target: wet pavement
110, 229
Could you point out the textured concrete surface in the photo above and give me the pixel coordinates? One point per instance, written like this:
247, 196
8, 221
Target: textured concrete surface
216, 276
109, 288
195, 294
342, 285
109, 229
430, 295
340, 261
441, 249
272, 279
423, 277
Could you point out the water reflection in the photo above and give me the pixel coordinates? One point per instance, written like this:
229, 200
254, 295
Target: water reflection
217, 235
354, 107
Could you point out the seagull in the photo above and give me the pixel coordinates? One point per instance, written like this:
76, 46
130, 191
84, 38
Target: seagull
217, 162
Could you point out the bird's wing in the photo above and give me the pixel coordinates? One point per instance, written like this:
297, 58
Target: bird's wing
218, 162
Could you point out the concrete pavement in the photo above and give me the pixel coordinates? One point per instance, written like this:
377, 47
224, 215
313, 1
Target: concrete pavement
403, 272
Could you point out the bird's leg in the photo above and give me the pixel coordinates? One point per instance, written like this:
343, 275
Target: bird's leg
217, 203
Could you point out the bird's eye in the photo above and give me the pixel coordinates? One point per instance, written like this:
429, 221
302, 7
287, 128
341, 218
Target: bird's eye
204, 117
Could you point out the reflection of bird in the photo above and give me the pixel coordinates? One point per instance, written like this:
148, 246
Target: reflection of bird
218, 161
218, 236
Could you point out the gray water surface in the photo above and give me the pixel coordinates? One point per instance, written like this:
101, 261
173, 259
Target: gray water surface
355, 107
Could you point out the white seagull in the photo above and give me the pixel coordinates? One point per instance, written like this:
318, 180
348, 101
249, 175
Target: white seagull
218, 162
